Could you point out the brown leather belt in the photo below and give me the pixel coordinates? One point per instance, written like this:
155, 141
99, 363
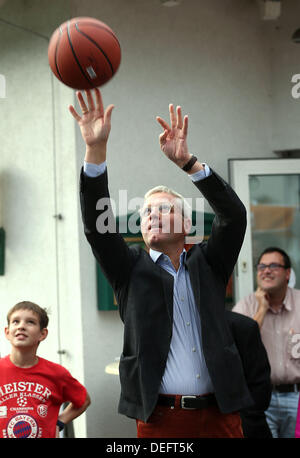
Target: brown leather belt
188, 402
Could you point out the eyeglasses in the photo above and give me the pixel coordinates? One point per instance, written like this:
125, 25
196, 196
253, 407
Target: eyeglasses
273, 266
163, 209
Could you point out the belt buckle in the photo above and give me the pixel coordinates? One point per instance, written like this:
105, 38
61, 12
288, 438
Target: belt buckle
182, 400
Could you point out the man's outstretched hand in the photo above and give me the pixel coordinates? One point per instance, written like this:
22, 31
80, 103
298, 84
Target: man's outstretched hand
94, 123
173, 141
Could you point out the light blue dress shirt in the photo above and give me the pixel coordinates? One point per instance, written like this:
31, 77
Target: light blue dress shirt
94, 170
186, 371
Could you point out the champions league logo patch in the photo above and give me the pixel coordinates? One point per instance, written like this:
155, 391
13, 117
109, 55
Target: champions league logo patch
22, 426
22, 401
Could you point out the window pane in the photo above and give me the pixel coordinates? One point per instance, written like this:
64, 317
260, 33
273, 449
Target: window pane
275, 216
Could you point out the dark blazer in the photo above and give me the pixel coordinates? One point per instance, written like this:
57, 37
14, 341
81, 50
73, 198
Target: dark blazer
257, 371
144, 292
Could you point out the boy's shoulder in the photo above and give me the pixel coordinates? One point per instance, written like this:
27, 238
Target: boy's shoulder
4, 361
52, 366
43, 366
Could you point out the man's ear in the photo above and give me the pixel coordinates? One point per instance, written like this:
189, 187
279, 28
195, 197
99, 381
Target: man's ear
187, 224
288, 274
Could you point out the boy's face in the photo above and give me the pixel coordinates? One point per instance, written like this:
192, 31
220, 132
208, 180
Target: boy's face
24, 329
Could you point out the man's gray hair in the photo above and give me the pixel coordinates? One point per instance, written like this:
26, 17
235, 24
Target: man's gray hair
184, 205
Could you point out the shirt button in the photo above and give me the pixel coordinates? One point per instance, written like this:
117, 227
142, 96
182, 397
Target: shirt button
188, 323
193, 349
198, 376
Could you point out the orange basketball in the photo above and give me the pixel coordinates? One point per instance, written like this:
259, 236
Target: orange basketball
84, 53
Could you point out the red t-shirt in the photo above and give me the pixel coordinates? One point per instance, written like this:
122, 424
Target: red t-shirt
30, 398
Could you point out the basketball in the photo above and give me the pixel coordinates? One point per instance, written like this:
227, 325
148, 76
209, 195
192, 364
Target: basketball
84, 53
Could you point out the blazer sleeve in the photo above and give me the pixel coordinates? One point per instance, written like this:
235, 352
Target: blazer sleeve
229, 224
108, 246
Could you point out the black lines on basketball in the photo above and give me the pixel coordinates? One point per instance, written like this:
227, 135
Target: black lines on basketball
75, 57
97, 46
56, 50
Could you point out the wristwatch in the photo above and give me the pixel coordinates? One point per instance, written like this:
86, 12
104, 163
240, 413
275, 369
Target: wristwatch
189, 164
60, 425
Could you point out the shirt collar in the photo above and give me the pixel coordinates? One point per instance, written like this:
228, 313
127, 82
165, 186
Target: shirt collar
155, 255
287, 302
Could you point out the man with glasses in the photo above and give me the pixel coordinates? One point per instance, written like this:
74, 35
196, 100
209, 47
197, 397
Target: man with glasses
180, 371
276, 308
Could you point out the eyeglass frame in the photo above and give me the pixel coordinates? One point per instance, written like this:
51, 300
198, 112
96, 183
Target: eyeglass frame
169, 205
268, 266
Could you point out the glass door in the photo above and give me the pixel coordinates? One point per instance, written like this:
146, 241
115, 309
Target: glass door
270, 190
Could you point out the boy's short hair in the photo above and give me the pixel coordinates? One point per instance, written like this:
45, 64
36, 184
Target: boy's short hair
27, 305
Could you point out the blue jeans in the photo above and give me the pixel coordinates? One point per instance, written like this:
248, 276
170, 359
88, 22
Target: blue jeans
282, 414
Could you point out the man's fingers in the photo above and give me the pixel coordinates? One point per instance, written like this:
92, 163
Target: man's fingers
74, 113
90, 100
99, 101
185, 125
172, 116
81, 102
107, 114
163, 123
166, 127
163, 136
179, 118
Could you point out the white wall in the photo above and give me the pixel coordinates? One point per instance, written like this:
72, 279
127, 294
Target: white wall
284, 57
205, 55
38, 180
230, 72
27, 190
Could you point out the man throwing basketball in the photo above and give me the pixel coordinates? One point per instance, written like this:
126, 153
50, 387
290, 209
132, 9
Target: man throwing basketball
180, 371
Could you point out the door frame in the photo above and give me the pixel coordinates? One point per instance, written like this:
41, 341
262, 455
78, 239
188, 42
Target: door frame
239, 170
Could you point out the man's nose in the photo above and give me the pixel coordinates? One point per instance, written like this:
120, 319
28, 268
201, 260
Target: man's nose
267, 271
154, 213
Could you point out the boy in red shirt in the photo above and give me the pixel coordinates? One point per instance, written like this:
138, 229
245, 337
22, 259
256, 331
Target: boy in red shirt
32, 389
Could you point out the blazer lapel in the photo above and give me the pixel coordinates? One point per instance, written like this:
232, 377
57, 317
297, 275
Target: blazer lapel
195, 277
200, 281
168, 285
